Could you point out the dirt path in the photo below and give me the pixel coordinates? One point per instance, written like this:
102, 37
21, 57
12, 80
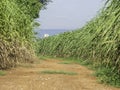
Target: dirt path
28, 77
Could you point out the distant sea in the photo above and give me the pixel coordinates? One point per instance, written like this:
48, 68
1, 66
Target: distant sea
42, 32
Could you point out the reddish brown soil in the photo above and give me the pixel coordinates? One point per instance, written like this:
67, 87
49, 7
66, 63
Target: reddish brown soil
28, 77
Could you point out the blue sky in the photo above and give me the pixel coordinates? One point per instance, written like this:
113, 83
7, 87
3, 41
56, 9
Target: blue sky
69, 14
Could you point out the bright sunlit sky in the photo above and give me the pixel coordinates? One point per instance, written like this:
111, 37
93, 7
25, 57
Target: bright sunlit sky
69, 14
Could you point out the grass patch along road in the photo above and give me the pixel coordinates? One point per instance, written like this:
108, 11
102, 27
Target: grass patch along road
2, 73
58, 72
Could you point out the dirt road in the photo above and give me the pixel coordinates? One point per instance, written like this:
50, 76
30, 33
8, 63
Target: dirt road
29, 77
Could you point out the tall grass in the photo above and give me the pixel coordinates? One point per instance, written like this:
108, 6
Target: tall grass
98, 41
16, 31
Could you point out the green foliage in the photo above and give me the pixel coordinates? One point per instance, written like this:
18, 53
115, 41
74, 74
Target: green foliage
106, 75
45, 2
29, 7
98, 41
